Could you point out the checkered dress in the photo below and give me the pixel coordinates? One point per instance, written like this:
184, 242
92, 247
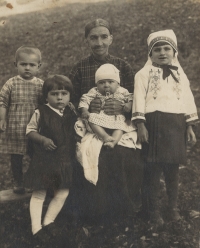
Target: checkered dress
101, 119
20, 97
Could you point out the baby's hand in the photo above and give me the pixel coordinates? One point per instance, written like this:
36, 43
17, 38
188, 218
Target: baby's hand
3, 125
85, 114
48, 144
128, 106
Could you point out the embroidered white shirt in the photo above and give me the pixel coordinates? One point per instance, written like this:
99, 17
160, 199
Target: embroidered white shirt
152, 93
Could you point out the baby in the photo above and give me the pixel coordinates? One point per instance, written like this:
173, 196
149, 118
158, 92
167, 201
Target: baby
107, 80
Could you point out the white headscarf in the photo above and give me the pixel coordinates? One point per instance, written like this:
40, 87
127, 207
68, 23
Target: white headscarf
169, 37
165, 36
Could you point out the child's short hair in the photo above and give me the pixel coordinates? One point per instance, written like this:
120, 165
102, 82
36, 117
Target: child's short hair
28, 50
59, 82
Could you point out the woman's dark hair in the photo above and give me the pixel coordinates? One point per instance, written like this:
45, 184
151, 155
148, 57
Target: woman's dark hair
59, 82
161, 43
97, 23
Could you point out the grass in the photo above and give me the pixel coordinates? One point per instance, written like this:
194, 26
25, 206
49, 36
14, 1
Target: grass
59, 33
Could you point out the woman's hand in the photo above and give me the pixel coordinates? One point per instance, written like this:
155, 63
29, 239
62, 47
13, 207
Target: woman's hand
48, 144
95, 105
113, 107
3, 125
143, 135
191, 138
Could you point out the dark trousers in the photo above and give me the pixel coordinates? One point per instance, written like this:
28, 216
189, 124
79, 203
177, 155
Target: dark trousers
151, 185
16, 167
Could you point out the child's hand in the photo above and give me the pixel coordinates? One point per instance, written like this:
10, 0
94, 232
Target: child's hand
3, 125
48, 144
143, 135
191, 138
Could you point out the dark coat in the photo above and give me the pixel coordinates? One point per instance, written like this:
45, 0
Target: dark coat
53, 169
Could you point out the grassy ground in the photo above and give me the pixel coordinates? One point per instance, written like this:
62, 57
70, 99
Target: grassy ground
59, 34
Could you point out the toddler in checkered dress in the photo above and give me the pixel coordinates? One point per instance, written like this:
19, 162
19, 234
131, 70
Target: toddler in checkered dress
19, 97
107, 80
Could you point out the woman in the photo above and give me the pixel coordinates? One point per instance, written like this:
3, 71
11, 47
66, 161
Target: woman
120, 169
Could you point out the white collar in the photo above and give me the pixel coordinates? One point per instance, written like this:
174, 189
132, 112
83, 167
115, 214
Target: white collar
54, 109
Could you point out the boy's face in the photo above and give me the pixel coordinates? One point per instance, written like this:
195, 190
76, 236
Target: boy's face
27, 65
99, 39
58, 99
162, 55
107, 85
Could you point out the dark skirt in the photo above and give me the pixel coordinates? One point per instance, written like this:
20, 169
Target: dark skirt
167, 138
117, 189
49, 170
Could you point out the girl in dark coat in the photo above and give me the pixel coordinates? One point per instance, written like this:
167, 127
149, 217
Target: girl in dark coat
51, 130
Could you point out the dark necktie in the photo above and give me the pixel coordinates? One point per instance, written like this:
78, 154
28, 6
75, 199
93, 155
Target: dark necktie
167, 70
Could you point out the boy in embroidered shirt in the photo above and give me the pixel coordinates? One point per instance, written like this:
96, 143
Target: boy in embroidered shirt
164, 112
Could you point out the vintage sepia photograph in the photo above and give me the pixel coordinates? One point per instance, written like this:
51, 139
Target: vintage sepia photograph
99, 123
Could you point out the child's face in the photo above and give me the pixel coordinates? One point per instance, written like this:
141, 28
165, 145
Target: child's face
27, 65
58, 99
107, 85
162, 55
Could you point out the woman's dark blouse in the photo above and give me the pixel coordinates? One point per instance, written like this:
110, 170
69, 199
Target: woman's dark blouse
82, 74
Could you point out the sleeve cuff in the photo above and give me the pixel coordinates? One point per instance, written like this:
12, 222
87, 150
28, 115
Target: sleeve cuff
138, 115
191, 117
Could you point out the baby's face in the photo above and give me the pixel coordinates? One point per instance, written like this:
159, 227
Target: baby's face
162, 55
27, 65
107, 85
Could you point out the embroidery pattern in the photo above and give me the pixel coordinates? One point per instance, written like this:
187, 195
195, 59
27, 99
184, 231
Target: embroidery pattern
167, 39
177, 86
137, 114
190, 116
154, 82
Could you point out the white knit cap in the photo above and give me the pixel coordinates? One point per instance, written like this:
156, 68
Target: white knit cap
163, 35
107, 71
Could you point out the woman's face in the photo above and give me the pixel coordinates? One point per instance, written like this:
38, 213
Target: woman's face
99, 39
162, 55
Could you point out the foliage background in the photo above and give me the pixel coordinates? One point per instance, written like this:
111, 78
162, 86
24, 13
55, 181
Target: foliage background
59, 33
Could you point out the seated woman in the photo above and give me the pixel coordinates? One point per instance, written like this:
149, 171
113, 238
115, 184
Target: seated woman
121, 168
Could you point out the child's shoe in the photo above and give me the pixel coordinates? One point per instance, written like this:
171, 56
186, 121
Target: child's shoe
173, 214
18, 188
156, 219
28, 190
41, 238
52, 230
59, 239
